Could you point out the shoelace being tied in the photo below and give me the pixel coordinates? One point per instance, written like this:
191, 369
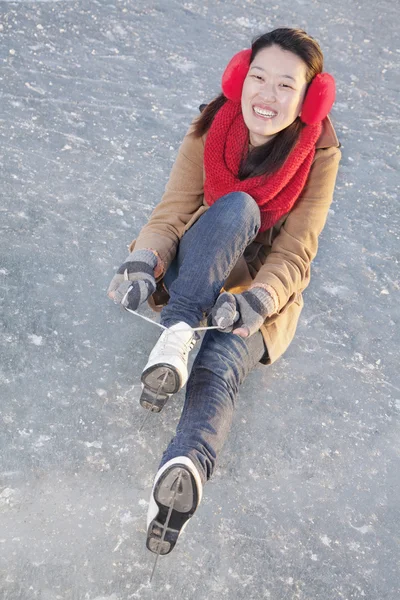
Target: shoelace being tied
151, 320
134, 312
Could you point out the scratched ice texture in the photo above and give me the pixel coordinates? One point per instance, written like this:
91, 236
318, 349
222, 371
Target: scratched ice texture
95, 98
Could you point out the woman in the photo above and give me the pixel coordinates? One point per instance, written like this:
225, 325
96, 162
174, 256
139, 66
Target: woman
232, 238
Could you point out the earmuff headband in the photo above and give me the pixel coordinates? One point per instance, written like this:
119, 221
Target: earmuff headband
317, 103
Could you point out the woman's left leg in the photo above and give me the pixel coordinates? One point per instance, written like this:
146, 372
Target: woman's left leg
220, 367
223, 362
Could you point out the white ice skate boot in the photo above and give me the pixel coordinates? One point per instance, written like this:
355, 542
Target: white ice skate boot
175, 496
166, 370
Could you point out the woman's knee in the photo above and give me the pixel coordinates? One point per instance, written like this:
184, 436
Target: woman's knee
241, 207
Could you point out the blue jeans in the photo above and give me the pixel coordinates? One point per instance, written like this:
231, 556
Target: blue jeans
206, 255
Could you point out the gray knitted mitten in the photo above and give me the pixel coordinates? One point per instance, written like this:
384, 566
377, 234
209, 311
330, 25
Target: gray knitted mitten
248, 310
134, 281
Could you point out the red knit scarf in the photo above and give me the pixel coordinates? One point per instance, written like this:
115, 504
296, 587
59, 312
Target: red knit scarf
227, 139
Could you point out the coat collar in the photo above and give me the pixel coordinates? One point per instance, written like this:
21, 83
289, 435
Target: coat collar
328, 137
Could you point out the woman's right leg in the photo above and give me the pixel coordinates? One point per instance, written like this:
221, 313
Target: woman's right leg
206, 255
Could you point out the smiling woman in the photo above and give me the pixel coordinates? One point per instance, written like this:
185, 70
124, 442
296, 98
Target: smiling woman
271, 99
232, 240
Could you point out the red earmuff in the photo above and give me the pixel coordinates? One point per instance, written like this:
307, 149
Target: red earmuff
317, 103
319, 99
235, 74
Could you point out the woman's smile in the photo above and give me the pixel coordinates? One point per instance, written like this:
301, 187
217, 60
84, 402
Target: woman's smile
264, 113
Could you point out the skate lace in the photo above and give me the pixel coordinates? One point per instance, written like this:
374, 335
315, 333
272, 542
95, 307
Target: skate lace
166, 328
172, 340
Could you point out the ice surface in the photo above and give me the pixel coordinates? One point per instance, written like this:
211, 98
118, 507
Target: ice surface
94, 100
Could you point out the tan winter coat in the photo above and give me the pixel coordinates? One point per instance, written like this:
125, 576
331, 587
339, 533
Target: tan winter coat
279, 258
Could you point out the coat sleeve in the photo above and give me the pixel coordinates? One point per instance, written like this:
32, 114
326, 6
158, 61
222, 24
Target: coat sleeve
286, 270
183, 196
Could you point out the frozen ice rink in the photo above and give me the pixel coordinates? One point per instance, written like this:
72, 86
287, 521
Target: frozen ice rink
95, 98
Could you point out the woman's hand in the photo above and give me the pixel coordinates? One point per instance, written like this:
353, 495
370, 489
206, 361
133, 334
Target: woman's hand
248, 310
135, 280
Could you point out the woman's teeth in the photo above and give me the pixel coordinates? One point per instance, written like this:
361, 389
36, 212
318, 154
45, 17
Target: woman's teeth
264, 113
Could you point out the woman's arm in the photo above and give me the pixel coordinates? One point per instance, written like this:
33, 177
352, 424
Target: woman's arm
286, 271
182, 198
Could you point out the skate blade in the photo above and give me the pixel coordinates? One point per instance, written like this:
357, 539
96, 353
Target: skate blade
176, 497
154, 543
153, 401
154, 376
164, 546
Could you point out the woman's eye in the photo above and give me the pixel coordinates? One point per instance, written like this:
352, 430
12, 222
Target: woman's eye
286, 85
257, 77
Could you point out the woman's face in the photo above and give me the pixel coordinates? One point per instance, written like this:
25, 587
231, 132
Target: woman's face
273, 93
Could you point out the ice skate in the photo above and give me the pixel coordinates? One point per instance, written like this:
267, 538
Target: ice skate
175, 496
166, 370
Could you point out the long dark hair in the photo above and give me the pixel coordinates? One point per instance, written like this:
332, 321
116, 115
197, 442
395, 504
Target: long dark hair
269, 157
